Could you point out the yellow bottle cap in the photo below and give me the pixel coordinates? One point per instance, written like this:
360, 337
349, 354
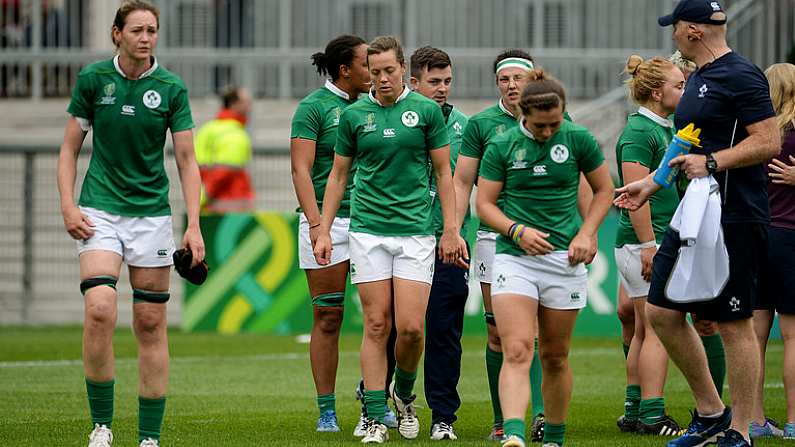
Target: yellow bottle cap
690, 134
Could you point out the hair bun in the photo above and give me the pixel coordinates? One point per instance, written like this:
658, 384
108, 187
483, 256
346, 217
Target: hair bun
633, 64
537, 74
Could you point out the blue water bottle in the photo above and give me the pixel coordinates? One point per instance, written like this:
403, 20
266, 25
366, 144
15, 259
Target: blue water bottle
681, 143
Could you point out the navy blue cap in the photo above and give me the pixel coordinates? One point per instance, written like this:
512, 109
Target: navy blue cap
696, 11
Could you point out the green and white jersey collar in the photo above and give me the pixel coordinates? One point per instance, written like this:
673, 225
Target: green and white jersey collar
400, 97
526, 132
654, 117
336, 90
143, 75
505, 109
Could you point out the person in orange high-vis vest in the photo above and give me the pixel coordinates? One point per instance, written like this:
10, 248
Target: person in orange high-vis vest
223, 148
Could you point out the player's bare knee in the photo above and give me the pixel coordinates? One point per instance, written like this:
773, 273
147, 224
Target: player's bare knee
518, 352
329, 320
626, 314
377, 330
100, 314
554, 361
411, 333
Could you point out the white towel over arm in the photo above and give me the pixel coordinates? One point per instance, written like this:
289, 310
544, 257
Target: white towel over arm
702, 266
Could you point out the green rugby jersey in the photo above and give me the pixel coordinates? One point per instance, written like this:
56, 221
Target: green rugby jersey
317, 118
644, 140
129, 118
456, 122
540, 181
484, 126
390, 145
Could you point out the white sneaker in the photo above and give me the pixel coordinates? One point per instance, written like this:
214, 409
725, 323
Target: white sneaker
408, 424
149, 442
376, 433
361, 426
101, 436
441, 431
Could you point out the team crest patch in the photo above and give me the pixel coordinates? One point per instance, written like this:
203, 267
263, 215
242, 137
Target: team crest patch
152, 99
499, 129
410, 118
337, 114
559, 153
458, 128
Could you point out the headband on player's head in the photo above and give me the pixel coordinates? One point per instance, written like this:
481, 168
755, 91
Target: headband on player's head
515, 62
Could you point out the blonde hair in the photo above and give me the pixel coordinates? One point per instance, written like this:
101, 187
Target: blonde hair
781, 78
686, 65
542, 92
646, 76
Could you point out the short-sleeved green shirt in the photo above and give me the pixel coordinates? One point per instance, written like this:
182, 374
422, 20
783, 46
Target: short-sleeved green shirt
390, 145
456, 122
129, 118
540, 181
317, 118
644, 141
484, 126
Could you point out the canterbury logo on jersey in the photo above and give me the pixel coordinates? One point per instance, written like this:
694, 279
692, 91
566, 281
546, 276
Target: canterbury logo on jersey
128, 110
540, 170
389, 133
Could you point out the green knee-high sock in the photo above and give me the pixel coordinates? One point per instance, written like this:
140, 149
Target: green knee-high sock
404, 383
651, 410
493, 365
150, 417
515, 427
631, 403
326, 402
100, 401
626, 349
554, 433
375, 403
716, 359
535, 383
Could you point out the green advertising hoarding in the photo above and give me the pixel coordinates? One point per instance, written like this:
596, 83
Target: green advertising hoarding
255, 284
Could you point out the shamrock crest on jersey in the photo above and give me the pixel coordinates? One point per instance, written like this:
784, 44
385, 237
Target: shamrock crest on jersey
410, 118
559, 153
151, 99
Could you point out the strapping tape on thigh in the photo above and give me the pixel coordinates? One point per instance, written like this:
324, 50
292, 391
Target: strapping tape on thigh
333, 299
146, 296
90, 283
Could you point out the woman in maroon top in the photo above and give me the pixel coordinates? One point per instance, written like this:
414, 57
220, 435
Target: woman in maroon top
777, 279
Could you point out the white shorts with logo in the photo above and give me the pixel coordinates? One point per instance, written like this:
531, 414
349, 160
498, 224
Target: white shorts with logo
140, 241
339, 243
548, 278
485, 248
629, 270
375, 258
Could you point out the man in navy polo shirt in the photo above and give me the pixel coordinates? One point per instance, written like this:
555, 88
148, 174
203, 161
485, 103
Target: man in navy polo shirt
728, 99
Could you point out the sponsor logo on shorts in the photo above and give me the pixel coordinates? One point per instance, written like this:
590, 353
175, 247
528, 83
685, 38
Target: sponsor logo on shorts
410, 118
152, 99
735, 304
575, 296
162, 253
539, 170
559, 153
369, 125
500, 280
389, 133
128, 110
353, 269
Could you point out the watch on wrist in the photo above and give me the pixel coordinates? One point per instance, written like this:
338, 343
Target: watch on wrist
712, 165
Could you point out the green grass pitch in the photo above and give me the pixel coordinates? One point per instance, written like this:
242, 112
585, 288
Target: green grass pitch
256, 390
